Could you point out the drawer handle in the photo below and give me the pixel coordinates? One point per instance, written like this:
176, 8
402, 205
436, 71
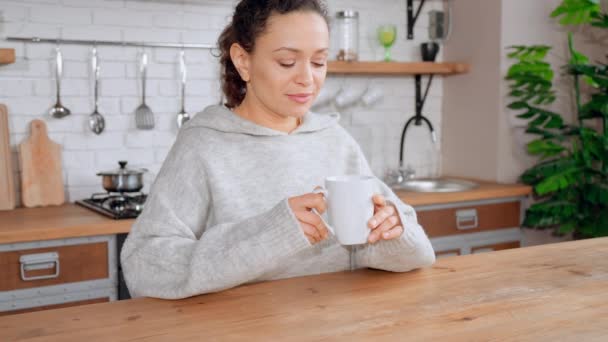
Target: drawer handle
466, 219
41, 261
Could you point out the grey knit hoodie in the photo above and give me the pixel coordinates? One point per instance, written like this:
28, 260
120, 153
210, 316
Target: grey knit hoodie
217, 214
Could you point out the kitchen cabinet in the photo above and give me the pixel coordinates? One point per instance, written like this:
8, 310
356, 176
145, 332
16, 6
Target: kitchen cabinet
472, 227
57, 273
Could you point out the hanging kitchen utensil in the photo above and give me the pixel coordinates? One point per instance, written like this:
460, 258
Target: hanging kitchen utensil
144, 118
58, 110
182, 116
7, 195
41, 172
96, 121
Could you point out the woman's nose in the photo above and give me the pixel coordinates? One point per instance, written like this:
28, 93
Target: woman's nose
304, 75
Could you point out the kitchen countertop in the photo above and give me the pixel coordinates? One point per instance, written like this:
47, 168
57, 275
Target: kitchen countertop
485, 190
56, 222
549, 292
71, 220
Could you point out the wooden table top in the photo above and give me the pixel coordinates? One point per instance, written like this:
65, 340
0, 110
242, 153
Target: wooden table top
56, 222
550, 292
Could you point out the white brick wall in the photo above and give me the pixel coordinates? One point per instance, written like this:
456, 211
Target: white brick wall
28, 87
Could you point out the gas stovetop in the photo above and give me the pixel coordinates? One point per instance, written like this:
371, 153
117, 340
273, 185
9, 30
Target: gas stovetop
117, 205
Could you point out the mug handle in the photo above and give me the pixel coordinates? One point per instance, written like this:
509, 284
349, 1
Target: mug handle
322, 190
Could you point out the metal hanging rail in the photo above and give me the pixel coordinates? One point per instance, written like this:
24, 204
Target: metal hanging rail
107, 42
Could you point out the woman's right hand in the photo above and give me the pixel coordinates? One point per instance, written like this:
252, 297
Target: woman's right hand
310, 223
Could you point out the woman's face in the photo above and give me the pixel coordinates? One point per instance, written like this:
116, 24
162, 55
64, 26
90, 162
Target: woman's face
287, 68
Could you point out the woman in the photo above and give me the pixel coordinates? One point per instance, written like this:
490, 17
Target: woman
232, 202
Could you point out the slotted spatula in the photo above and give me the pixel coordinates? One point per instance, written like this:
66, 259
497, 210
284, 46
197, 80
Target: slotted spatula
144, 118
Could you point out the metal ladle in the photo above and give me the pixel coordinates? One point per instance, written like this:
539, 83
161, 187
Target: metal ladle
58, 110
96, 121
182, 116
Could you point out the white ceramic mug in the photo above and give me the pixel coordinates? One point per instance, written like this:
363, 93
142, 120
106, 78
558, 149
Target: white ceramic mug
349, 207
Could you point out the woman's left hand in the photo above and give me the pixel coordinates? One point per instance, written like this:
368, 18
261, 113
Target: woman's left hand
385, 224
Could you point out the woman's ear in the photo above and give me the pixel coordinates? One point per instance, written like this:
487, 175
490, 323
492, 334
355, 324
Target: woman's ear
240, 59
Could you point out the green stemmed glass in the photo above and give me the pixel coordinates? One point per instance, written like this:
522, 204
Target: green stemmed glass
387, 34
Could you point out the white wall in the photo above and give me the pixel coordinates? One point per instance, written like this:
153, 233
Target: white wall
28, 88
471, 100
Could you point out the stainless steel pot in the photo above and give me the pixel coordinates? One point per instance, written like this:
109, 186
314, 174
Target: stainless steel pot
123, 179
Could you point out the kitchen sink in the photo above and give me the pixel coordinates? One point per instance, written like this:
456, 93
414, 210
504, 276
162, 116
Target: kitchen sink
435, 185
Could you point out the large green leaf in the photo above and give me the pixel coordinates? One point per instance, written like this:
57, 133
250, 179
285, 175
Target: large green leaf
547, 169
597, 193
596, 107
600, 20
576, 12
549, 213
544, 148
529, 53
567, 227
566, 178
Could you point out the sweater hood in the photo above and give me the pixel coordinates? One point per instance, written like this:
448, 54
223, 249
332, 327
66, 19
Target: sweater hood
222, 119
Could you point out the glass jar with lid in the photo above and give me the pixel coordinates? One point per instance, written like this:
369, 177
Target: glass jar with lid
347, 35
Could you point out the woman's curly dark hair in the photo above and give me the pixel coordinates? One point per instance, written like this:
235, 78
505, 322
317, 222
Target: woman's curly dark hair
248, 22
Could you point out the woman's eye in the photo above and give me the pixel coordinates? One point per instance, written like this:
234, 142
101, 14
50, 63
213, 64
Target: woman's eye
287, 65
318, 64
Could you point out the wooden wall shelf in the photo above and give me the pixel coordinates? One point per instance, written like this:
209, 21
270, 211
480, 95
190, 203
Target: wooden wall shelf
7, 56
396, 68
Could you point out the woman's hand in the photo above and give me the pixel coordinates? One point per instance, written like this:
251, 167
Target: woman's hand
310, 223
385, 224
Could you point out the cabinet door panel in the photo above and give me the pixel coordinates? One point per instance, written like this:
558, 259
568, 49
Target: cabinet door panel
23, 269
470, 219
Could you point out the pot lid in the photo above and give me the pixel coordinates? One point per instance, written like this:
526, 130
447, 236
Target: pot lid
122, 170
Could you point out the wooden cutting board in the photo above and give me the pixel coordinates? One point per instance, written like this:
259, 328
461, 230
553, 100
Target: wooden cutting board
41, 173
7, 184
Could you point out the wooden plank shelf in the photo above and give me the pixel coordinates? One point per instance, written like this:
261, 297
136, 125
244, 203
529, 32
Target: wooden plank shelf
7, 56
396, 68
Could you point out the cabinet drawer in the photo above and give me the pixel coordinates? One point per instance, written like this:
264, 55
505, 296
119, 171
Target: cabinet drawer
56, 306
470, 219
495, 247
28, 268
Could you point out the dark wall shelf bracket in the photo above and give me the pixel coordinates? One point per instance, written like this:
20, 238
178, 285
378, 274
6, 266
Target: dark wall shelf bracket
421, 99
411, 18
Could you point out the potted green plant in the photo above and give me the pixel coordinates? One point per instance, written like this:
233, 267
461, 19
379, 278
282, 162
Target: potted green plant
570, 181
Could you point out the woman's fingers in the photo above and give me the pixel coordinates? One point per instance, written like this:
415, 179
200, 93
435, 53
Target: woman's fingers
310, 223
311, 232
381, 216
307, 202
381, 231
393, 233
314, 220
379, 201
